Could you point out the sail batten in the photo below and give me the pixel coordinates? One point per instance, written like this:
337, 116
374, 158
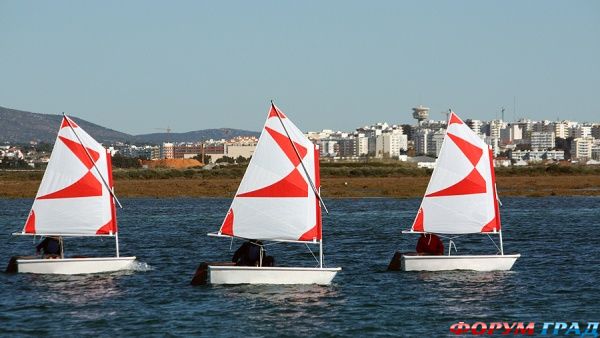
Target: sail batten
461, 196
73, 199
276, 199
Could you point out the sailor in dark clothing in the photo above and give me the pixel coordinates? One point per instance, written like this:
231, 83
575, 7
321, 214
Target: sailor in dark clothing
50, 247
430, 244
249, 254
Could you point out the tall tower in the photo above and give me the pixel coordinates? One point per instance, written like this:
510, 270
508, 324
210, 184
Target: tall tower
421, 113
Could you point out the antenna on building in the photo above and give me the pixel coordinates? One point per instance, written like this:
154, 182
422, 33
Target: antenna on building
502, 110
168, 130
514, 108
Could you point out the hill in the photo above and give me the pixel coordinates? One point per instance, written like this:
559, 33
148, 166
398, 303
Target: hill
17, 126
192, 136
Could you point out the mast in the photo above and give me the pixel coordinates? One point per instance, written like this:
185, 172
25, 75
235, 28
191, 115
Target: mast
495, 194
321, 253
117, 243
501, 245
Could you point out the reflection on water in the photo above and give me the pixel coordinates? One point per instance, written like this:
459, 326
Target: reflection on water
465, 291
76, 289
280, 294
282, 304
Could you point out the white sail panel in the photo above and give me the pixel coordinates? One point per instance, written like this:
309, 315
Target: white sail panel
73, 198
275, 199
460, 197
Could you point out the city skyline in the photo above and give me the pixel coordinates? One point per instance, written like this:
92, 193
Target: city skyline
137, 66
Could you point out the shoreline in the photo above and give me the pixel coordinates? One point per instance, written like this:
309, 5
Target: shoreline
331, 187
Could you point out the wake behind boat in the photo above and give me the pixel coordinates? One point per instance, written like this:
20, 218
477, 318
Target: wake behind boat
460, 199
75, 199
278, 200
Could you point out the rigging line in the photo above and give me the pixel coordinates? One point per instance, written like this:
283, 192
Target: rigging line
312, 185
497, 247
448, 237
93, 163
315, 257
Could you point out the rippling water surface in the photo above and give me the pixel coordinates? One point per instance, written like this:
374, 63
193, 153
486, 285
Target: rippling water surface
556, 279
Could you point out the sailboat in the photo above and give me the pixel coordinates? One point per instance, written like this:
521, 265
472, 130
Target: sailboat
75, 199
461, 199
278, 200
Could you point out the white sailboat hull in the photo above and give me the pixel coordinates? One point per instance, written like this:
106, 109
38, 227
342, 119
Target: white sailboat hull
270, 275
471, 262
74, 266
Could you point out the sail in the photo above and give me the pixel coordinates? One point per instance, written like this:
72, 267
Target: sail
275, 199
461, 195
73, 197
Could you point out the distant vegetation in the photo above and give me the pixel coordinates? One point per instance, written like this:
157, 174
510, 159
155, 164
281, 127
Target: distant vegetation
120, 161
126, 168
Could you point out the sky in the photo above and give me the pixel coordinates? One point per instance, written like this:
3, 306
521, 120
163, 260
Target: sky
136, 66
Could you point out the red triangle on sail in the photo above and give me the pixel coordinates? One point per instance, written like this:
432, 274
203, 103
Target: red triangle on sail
273, 112
474, 183
79, 151
418, 224
87, 186
491, 226
106, 229
472, 152
311, 234
30, 224
284, 143
293, 185
66, 121
454, 119
227, 227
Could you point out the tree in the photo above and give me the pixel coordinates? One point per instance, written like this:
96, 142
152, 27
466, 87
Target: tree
241, 159
120, 161
206, 159
226, 159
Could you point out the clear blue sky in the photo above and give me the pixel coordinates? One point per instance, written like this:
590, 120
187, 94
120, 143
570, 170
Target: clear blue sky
138, 65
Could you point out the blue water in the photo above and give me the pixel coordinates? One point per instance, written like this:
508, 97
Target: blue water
556, 279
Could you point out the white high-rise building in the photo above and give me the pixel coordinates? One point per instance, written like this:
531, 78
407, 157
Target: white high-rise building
510, 134
362, 145
475, 125
581, 131
561, 129
434, 142
542, 140
328, 148
420, 139
390, 143
581, 148
167, 150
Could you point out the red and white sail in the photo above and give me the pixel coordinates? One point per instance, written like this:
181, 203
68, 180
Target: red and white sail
275, 200
461, 195
73, 197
